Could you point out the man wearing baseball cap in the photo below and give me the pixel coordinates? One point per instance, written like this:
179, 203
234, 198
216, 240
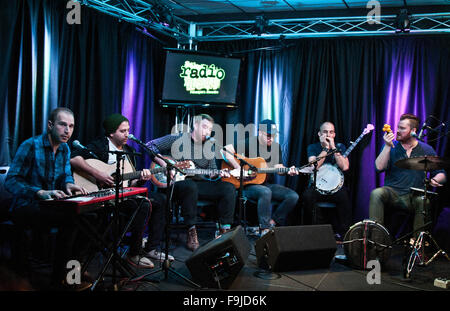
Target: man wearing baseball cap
264, 146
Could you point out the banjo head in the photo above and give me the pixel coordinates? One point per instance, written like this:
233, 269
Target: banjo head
329, 179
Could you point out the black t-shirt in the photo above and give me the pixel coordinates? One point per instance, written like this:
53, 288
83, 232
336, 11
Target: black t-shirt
251, 148
314, 150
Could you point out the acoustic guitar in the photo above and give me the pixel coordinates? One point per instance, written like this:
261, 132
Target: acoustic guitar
258, 177
89, 183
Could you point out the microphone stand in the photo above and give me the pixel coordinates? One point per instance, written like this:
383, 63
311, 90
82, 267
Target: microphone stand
242, 162
314, 183
116, 219
166, 267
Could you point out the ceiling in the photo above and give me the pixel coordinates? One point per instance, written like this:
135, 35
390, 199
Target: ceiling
201, 10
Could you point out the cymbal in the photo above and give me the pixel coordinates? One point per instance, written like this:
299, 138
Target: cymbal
429, 163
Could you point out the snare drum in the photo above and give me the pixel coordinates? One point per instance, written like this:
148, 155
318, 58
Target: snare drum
367, 240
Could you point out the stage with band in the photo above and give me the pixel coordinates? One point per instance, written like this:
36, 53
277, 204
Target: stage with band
158, 154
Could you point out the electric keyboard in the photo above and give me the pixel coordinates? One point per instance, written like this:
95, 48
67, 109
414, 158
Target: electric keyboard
83, 203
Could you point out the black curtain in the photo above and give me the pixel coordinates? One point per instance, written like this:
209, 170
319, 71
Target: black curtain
351, 82
46, 63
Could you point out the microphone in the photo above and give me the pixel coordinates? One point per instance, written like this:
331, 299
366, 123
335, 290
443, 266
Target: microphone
421, 130
139, 142
413, 134
133, 138
210, 138
78, 145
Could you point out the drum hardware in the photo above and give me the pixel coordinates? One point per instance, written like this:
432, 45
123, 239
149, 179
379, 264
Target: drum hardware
365, 241
417, 255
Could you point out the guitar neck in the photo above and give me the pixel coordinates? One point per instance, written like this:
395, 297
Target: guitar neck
201, 171
271, 170
137, 174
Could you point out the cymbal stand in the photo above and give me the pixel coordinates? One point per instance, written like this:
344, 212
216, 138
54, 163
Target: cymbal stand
418, 249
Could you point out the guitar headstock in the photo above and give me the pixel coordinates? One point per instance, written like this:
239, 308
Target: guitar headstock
183, 164
368, 129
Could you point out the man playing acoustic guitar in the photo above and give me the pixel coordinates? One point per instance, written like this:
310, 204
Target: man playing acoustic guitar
262, 146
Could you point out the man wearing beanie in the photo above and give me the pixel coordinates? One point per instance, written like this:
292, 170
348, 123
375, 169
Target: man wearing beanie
117, 128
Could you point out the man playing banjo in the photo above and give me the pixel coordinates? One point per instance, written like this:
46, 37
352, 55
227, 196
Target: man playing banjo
328, 167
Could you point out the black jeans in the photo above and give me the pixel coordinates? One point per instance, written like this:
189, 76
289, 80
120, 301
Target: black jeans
42, 220
157, 221
137, 227
188, 191
343, 208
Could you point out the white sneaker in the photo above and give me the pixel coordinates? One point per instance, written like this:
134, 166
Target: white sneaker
161, 256
141, 262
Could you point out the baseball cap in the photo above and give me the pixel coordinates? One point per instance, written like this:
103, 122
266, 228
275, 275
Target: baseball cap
268, 126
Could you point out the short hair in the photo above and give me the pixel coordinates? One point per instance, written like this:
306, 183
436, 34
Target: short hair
414, 121
320, 128
203, 116
54, 113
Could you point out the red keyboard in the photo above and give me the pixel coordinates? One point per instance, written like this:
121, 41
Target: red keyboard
83, 203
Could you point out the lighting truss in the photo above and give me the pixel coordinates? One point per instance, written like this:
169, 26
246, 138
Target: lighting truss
321, 27
143, 14
140, 13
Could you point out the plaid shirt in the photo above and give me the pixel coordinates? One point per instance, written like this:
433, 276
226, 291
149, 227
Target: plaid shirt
163, 146
36, 167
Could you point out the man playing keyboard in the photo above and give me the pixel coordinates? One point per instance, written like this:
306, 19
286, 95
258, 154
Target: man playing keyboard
41, 170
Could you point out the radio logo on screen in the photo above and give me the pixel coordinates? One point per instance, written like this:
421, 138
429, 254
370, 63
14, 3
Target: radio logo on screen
201, 78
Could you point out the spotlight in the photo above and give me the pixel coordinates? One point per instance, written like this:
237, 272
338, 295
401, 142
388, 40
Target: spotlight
163, 15
260, 25
402, 22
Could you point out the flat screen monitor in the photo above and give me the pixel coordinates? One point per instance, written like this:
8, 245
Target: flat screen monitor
194, 78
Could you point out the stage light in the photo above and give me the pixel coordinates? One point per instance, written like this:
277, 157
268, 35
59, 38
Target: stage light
260, 25
402, 21
163, 15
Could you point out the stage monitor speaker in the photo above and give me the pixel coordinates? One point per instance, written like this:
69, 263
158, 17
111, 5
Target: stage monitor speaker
296, 248
217, 263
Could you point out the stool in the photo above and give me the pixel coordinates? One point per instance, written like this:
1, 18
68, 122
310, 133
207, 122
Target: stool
324, 205
177, 219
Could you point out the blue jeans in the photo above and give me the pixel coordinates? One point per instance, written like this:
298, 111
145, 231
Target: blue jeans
264, 195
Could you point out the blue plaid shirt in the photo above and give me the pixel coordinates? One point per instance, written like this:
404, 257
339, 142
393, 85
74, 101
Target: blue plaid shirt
35, 167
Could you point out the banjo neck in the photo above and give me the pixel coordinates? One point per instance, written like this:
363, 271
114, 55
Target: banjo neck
367, 130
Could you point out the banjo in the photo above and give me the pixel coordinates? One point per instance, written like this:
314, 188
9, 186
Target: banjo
329, 177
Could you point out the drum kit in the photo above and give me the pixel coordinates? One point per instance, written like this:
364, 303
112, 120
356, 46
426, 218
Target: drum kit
375, 240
